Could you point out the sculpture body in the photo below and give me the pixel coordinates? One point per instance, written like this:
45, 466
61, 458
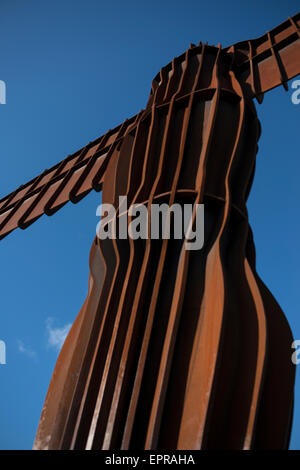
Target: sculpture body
176, 349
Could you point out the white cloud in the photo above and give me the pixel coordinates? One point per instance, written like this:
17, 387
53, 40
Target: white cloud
56, 336
26, 350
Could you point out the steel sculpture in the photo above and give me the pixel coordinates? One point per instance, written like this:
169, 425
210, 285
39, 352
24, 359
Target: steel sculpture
174, 349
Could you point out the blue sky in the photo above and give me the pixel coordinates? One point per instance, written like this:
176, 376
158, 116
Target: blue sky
71, 73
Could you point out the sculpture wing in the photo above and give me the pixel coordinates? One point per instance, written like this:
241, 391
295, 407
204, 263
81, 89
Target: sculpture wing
262, 64
69, 180
271, 60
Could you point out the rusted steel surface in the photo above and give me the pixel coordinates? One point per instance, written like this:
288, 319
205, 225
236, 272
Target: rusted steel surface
175, 349
261, 64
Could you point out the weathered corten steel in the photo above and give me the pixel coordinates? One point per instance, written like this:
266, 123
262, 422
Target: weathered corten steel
175, 349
